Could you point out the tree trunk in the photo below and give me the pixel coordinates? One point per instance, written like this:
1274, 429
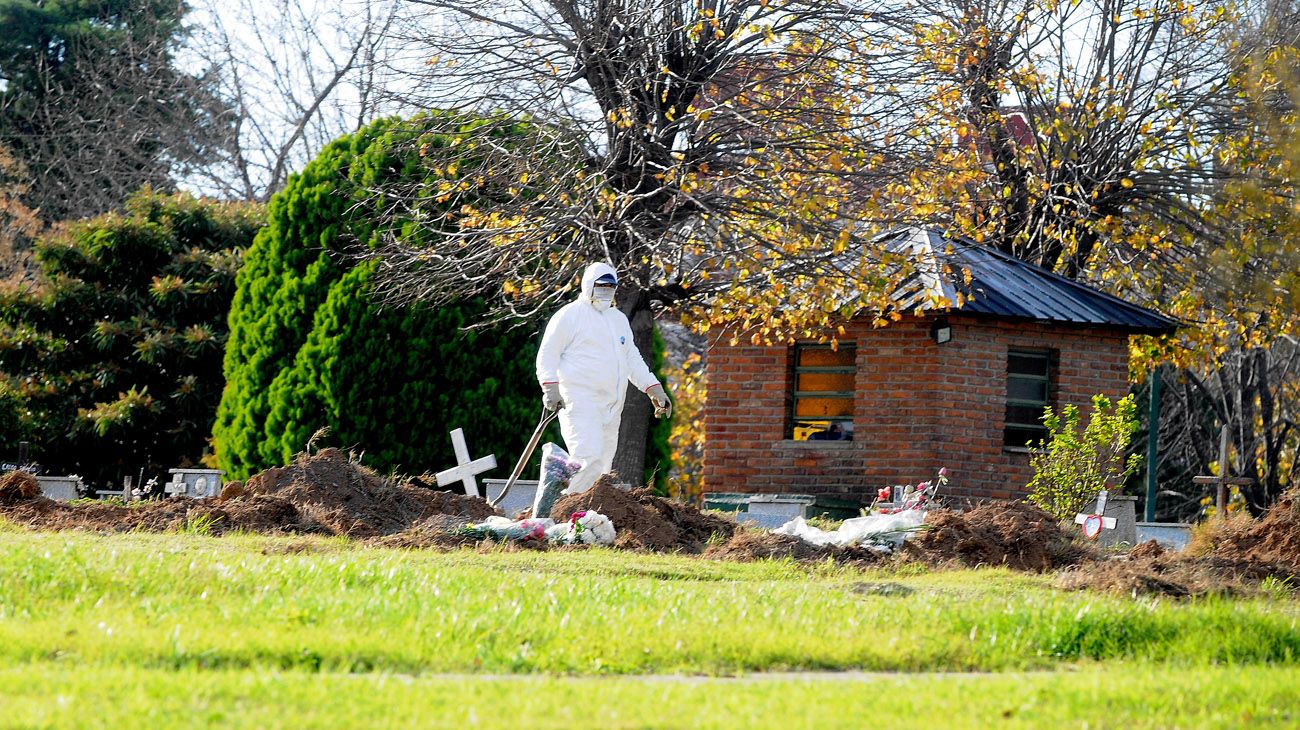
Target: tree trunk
634, 428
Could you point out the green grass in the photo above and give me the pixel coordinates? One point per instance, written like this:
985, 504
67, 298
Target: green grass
55, 695
172, 601
332, 635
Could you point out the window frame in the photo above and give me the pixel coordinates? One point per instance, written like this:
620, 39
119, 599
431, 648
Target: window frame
796, 394
1046, 355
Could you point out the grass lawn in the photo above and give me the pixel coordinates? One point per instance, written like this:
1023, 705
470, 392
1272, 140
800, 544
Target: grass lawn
114, 631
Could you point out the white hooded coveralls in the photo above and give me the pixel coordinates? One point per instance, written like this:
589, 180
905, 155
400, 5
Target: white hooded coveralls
591, 355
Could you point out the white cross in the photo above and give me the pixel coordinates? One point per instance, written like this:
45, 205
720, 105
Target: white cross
1093, 523
465, 469
176, 488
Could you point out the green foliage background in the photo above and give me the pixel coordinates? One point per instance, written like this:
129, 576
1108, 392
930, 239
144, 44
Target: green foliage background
309, 348
112, 363
1077, 461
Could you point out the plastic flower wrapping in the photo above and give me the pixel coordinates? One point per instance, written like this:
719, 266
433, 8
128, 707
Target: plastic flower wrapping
582, 528
557, 469
502, 528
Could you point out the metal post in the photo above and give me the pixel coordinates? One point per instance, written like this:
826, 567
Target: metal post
1221, 500
1153, 439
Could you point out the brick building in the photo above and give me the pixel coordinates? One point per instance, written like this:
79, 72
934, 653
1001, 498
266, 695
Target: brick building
957, 387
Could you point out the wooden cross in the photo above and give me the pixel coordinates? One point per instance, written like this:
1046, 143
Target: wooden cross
1222, 480
465, 469
1093, 523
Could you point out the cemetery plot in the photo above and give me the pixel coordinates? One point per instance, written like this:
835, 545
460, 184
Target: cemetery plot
326, 493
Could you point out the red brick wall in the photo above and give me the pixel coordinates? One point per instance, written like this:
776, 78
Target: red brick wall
918, 406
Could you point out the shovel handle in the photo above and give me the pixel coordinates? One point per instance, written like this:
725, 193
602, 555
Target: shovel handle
547, 417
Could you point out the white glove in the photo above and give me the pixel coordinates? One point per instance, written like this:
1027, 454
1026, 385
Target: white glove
551, 396
663, 406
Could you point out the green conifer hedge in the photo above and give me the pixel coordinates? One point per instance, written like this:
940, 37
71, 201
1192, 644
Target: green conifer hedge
310, 348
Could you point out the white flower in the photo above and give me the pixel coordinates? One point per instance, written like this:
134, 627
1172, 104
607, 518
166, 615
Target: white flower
597, 529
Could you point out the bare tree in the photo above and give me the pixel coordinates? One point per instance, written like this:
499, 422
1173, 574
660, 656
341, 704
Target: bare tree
708, 149
296, 74
95, 105
1083, 116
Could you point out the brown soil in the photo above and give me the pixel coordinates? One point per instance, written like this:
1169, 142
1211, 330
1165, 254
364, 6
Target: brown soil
323, 493
1273, 539
1171, 575
345, 498
18, 486
644, 521
1015, 534
1144, 550
748, 545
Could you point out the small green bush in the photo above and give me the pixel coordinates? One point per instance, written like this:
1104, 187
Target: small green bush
1074, 463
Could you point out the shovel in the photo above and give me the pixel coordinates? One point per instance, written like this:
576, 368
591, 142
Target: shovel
547, 417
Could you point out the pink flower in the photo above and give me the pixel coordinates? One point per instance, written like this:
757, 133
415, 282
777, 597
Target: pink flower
922, 486
882, 494
943, 472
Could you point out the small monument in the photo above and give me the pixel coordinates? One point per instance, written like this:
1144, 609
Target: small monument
196, 483
62, 489
465, 469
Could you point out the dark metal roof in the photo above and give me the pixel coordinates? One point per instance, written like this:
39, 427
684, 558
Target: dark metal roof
1004, 286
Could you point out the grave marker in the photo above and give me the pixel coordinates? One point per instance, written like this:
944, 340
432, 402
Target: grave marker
197, 483
465, 469
1094, 523
1222, 480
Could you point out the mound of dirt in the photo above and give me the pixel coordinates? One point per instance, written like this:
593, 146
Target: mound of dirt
758, 545
644, 521
18, 486
322, 493
1148, 549
342, 497
1273, 539
1018, 535
1171, 575
747, 545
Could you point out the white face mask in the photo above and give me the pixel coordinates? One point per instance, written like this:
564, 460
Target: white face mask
602, 297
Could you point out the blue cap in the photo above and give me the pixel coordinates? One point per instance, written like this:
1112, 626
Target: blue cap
606, 280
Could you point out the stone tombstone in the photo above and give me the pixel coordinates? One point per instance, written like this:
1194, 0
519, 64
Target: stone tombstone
62, 489
1170, 535
773, 510
1123, 508
196, 483
519, 498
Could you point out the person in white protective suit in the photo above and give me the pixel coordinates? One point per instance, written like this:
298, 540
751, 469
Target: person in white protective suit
586, 359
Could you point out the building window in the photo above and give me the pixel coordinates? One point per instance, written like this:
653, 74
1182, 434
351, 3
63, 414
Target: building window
1029, 377
823, 393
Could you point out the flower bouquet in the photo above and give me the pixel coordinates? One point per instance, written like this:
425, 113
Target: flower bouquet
502, 528
557, 470
921, 496
583, 528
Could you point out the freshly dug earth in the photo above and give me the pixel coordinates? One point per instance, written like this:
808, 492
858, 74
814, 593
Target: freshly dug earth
747, 545
645, 521
1273, 539
322, 493
1172, 575
1018, 535
18, 486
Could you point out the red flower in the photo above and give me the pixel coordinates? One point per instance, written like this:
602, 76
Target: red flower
882, 494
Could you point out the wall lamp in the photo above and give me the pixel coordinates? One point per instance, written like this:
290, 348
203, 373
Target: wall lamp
940, 330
